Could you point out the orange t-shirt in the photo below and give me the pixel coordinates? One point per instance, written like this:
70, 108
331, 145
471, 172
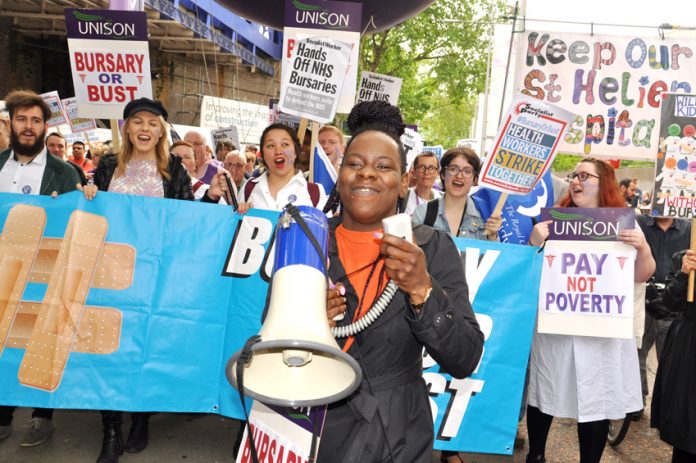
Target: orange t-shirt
357, 250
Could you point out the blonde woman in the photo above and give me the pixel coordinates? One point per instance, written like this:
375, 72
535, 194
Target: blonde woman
143, 166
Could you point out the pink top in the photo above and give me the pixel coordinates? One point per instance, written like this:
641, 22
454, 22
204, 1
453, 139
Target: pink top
141, 178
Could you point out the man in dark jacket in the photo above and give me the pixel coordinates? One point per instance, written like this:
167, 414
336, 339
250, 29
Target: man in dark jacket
27, 168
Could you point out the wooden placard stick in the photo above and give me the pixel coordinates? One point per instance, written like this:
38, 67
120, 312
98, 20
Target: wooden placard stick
690, 290
315, 138
115, 136
301, 130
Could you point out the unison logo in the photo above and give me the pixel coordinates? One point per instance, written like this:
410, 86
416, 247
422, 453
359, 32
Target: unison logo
581, 225
317, 16
94, 24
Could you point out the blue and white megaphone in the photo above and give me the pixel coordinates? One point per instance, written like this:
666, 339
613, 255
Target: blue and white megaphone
297, 361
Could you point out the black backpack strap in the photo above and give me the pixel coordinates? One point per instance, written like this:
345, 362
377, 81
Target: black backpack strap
431, 212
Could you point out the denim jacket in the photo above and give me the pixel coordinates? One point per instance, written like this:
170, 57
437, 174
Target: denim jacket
473, 226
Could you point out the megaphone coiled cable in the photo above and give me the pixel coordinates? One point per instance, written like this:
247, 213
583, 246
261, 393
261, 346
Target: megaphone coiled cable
373, 314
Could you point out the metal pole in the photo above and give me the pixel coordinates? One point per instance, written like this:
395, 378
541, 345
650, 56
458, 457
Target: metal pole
507, 66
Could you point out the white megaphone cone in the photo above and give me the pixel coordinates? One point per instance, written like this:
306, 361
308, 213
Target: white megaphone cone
297, 361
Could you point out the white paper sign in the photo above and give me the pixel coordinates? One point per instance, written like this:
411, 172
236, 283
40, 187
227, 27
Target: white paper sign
58, 116
229, 133
250, 119
312, 85
380, 87
586, 289
77, 124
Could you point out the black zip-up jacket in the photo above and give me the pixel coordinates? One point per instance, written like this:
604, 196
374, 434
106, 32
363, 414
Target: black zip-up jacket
391, 356
178, 187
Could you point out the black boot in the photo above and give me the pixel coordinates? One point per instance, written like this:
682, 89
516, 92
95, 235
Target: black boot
138, 435
112, 445
536, 459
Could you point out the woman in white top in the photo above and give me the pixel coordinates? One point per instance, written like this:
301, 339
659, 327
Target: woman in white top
590, 379
281, 183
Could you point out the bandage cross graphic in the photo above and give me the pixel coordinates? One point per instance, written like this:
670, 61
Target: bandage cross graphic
61, 323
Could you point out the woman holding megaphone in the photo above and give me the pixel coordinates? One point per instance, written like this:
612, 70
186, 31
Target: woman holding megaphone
389, 418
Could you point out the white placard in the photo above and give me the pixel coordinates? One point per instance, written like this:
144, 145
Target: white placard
311, 87
380, 87
249, 118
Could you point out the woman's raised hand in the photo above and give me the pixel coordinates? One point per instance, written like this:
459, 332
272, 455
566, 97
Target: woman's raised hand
540, 233
89, 190
405, 264
493, 225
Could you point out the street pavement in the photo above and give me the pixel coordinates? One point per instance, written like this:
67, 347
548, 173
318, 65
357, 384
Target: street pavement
192, 438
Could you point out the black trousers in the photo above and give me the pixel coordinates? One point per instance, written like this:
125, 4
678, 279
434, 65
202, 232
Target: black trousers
7, 412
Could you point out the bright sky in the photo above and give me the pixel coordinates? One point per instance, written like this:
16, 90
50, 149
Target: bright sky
628, 12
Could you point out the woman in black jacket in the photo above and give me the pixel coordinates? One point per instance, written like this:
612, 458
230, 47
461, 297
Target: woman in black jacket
674, 397
389, 418
143, 166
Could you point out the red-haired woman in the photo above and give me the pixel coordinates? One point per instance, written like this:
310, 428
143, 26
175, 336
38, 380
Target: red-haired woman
590, 379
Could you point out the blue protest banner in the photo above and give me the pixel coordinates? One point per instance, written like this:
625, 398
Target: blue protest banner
178, 288
479, 414
170, 327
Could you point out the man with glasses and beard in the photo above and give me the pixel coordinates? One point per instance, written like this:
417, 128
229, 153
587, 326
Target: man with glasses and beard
26, 167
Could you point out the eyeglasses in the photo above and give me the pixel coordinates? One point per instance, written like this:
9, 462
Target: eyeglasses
428, 169
229, 165
250, 160
467, 172
581, 176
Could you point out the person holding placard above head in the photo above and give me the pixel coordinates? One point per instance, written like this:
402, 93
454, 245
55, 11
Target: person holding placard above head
282, 182
456, 213
673, 409
389, 418
590, 379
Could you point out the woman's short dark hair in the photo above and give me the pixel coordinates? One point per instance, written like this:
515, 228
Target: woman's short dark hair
381, 117
467, 153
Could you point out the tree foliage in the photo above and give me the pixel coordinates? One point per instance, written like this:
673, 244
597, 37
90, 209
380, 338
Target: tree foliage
440, 62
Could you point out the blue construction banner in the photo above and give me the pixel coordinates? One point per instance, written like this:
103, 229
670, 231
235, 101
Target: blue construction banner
134, 303
479, 414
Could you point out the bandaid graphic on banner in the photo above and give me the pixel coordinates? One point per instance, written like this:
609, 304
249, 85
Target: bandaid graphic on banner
99, 330
114, 268
61, 310
19, 243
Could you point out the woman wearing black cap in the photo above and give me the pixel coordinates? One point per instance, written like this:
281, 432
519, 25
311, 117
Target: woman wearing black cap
143, 166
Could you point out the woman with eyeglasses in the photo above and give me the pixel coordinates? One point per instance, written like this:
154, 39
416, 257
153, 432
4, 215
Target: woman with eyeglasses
456, 213
425, 168
589, 379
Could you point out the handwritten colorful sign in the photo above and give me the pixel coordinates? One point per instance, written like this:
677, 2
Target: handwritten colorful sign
675, 167
613, 83
525, 145
109, 59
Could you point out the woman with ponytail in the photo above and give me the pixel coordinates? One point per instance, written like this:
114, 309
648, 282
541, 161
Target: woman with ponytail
389, 418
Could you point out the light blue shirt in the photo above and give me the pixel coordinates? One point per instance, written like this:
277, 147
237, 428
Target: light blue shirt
473, 226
